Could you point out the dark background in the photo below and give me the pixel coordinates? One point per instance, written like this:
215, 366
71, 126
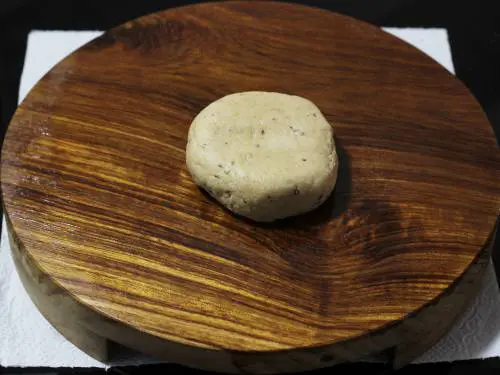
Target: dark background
474, 35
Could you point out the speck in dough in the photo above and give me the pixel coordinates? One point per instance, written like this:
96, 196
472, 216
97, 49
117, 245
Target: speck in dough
263, 155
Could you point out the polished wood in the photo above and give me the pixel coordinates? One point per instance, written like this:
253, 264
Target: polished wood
114, 242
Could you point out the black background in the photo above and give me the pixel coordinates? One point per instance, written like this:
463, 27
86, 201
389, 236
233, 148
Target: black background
474, 35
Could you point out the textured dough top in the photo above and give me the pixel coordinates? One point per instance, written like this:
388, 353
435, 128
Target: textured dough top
261, 143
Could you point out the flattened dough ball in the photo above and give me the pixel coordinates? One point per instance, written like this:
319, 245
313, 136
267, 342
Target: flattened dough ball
263, 155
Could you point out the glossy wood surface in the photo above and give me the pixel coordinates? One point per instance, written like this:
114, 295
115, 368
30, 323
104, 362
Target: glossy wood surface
98, 197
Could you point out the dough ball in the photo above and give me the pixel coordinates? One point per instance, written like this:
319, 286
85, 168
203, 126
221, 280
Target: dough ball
263, 155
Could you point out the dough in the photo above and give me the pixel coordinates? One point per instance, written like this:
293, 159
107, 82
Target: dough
263, 155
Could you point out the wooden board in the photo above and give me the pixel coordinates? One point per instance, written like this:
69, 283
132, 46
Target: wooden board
114, 242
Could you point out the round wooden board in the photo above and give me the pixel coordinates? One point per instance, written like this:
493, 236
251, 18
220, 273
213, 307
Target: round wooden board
114, 242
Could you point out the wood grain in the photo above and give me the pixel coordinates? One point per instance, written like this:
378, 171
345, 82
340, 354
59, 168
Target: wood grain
99, 200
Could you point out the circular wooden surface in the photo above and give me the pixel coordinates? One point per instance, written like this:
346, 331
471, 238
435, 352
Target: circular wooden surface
97, 193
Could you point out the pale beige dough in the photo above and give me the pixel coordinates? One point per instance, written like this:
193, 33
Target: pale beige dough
263, 155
